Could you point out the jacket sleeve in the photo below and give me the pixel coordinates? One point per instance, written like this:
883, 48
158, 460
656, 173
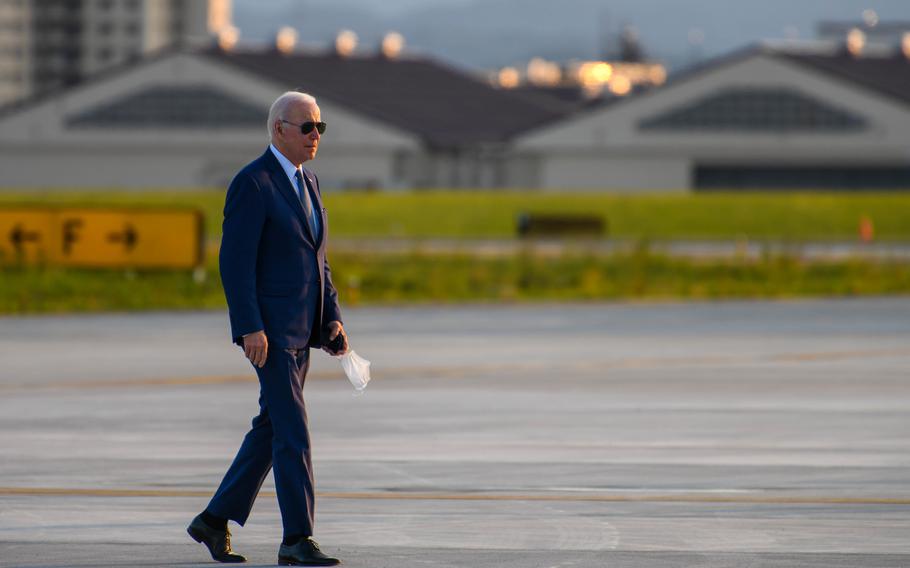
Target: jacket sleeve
330, 310
244, 217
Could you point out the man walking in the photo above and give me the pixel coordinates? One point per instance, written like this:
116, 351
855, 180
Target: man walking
281, 302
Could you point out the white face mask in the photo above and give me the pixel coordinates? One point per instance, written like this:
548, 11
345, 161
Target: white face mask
356, 368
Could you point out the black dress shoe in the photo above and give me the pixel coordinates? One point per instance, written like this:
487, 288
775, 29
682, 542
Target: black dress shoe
304, 553
218, 542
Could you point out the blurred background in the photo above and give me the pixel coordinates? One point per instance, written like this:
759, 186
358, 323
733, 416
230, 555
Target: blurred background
533, 207
476, 151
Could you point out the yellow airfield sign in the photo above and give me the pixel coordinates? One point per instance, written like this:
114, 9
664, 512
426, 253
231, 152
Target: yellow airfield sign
101, 238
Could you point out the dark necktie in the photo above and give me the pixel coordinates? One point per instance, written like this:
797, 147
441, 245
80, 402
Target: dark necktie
307, 203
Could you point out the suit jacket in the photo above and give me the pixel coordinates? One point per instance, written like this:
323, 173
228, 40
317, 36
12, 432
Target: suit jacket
275, 275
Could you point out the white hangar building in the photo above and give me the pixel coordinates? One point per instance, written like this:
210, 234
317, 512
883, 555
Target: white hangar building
794, 116
786, 117
193, 118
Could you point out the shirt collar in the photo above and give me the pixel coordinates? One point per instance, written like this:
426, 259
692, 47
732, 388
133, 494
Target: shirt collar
289, 169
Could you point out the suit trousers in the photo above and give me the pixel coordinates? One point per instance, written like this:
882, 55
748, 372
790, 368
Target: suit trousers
278, 439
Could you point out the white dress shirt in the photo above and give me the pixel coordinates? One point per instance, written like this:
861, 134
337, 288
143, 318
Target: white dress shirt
289, 168
291, 171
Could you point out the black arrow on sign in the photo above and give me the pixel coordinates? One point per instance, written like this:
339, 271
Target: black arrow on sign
128, 237
19, 236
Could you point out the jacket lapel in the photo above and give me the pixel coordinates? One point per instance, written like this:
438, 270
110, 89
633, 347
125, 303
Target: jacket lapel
281, 181
317, 204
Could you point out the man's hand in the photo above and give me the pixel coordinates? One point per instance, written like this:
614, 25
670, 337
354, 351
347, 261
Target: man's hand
256, 347
335, 328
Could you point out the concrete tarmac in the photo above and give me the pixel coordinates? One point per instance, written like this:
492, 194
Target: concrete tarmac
585, 435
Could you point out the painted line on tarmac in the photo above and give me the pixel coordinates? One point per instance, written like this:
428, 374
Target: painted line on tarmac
146, 382
693, 497
838, 355
463, 371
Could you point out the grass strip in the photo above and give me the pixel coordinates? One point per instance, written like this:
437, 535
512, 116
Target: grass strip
493, 214
406, 278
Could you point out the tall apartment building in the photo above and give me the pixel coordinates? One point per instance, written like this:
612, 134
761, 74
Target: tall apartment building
15, 55
46, 44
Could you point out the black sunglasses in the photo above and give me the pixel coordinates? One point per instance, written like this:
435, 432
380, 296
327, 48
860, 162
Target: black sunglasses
308, 126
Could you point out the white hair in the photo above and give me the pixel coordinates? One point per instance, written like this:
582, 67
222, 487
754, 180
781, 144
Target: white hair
283, 103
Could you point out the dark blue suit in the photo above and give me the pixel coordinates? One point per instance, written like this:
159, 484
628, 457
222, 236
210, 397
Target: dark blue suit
276, 278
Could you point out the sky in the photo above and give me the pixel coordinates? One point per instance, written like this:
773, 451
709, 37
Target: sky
486, 34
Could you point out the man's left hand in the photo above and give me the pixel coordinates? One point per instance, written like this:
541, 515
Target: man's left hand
335, 329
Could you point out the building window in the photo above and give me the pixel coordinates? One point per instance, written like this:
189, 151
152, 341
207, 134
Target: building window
104, 55
175, 106
757, 110
784, 178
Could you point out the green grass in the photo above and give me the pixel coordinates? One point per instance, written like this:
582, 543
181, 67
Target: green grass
384, 278
691, 216
492, 214
638, 275
56, 290
381, 279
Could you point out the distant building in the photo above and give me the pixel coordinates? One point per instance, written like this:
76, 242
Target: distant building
47, 44
784, 116
15, 50
193, 117
771, 117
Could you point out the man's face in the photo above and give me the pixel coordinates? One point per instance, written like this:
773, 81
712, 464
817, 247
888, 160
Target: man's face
295, 145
